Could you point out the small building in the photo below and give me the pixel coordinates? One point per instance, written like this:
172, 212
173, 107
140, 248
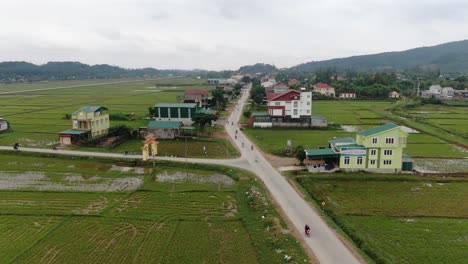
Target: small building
200, 97
347, 95
393, 95
324, 89
182, 112
216, 81
379, 149
163, 129
4, 125
88, 122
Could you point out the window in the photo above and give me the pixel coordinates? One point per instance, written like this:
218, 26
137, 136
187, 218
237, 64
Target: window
388, 152
372, 162
374, 140
308, 103
277, 103
373, 152
308, 111
389, 140
308, 96
387, 162
295, 104
295, 112
346, 160
359, 160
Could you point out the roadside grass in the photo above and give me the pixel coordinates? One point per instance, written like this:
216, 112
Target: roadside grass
396, 218
275, 140
157, 222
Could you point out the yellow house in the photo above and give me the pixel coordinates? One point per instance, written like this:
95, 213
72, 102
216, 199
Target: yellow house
87, 123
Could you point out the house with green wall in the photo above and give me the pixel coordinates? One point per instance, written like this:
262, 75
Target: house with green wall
183, 112
379, 149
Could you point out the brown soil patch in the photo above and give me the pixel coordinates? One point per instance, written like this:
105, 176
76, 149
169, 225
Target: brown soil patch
277, 162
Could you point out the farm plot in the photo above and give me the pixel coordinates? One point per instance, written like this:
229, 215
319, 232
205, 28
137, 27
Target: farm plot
441, 165
97, 240
413, 240
51, 203
19, 233
351, 112
177, 205
216, 243
397, 218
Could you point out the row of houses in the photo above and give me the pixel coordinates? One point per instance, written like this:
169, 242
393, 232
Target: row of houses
444, 93
379, 149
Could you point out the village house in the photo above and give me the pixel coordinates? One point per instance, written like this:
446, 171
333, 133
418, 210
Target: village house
216, 80
293, 82
393, 95
287, 109
347, 95
199, 97
277, 88
88, 122
379, 149
162, 129
3, 125
182, 112
436, 91
324, 89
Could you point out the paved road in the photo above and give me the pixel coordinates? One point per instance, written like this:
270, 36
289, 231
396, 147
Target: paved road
324, 242
79, 85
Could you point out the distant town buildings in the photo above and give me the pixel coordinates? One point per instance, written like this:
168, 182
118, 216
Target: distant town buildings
393, 95
438, 92
198, 96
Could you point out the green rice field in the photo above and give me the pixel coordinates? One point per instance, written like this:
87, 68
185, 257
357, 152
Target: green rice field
397, 218
54, 210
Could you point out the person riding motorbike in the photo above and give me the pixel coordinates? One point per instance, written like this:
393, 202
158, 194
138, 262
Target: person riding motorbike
307, 230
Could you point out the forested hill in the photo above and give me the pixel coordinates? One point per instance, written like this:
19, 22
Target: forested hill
448, 57
257, 68
24, 71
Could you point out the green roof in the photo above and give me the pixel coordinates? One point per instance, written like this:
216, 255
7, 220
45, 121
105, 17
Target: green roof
405, 156
90, 109
321, 152
164, 124
260, 114
74, 132
350, 146
377, 130
180, 105
342, 141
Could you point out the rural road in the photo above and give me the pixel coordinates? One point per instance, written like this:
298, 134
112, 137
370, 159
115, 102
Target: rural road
324, 242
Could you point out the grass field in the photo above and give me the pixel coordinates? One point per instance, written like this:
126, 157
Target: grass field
396, 218
210, 216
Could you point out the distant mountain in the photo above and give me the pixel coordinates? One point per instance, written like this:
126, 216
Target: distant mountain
257, 68
448, 57
14, 71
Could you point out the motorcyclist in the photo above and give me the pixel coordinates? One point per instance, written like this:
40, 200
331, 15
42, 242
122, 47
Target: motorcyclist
307, 229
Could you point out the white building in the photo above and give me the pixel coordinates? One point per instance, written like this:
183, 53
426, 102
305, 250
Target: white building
290, 106
3, 124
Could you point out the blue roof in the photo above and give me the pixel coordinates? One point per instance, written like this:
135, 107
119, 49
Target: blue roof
321, 152
180, 105
74, 132
342, 141
377, 130
90, 109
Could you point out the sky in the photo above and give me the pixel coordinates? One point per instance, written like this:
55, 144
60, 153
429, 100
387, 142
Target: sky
221, 34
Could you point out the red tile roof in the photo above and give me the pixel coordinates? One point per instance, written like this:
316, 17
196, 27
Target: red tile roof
285, 97
293, 82
196, 92
322, 85
272, 95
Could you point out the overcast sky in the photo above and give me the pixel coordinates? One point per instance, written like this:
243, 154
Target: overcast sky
221, 34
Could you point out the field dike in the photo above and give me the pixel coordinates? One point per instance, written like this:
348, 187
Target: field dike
68, 182
195, 178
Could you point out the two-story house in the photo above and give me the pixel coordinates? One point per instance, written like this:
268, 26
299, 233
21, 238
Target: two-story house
324, 89
379, 149
88, 122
